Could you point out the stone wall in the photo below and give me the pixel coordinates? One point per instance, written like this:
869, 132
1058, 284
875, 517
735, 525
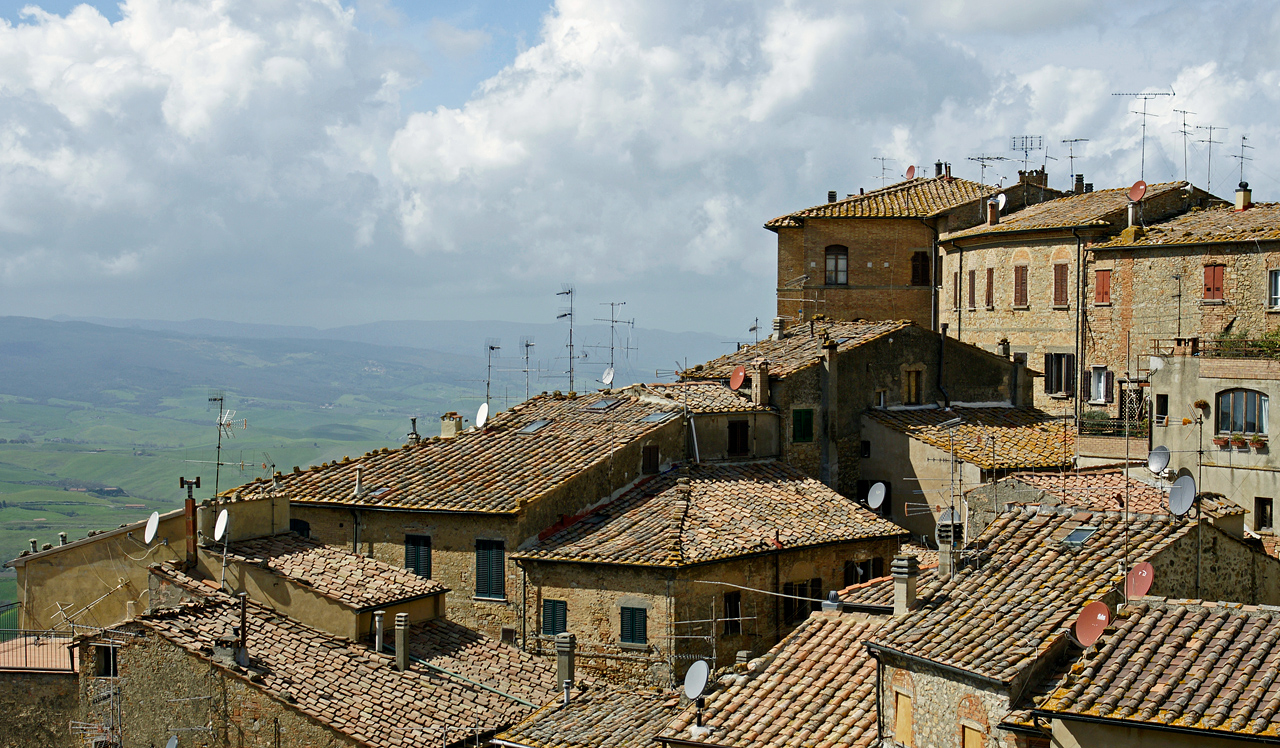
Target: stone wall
942, 705
36, 709
1229, 569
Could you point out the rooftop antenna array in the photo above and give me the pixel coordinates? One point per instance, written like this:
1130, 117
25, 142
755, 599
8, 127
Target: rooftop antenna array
1070, 143
613, 324
983, 162
884, 168
226, 426
491, 348
1185, 133
566, 289
526, 344
1144, 98
1026, 144
1208, 176
755, 329
1243, 157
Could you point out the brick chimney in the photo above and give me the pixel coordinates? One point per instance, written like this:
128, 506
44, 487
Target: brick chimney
1244, 197
1079, 188
947, 166
778, 325
993, 213
760, 383
906, 571
450, 425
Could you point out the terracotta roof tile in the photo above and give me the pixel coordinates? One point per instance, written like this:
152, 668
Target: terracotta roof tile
797, 349
800, 696
725, 510
913, 198
1104, 490
879, 591
1211, 667
338, 574
702, 397
1024, 437
599, 717
1210, 226
1098, 208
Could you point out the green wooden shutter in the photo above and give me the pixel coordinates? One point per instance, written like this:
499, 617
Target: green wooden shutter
555, 617
497, 570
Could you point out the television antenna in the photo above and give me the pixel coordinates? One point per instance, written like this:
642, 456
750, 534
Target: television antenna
1144, 98
227, 426
526, 344
1026, 144
1244, 143
613, 324
984, 161
491, 346
1208, 176
755, 329
566, 289
1185, 133
884, 169
1070, 143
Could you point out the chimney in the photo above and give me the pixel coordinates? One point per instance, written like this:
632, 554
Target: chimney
1079, 189
35, 545
566, 643
191, 531
832, 604
359, 481
760, 383
414, 436
402, 641
1133, 213
906, 570
242, 651
62, 538
1244, 197
378, 643
993, 213
450, 425
946, 563
831, 196
131, 609
1004, 347
1088, 187
777, 328
862, 191
937, 169
742, 657
947, 166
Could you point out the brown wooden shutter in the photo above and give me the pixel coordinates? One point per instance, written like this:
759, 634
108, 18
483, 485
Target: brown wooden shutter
1109, 390
1048, 374
991, 287
1102, 287
1060, 285
1020, 285
973, 288
1213, 281
955, 282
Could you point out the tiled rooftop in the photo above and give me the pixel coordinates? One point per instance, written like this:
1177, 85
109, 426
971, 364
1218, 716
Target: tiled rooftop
494, 469
1212, 667
818, 688
725, 510
880, 591
355, 581
1024, 437
913, 198
702, 397
348, 687
1104, 490
1073, 211
799, 348
996, 620
1211, 225
598, 717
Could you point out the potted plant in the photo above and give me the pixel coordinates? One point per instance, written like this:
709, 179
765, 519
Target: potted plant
1258, 441
1239, 441
1221, 440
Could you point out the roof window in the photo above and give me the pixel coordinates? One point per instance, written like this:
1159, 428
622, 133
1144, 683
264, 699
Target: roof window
659, 417
379, 491
603, 404
534, 427
1076, 537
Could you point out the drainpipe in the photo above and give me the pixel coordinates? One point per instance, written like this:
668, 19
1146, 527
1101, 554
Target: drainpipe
942, 346
355, 530
830, 465
879, 706
1079, 341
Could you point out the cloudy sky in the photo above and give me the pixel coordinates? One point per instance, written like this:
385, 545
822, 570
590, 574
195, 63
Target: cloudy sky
325, 163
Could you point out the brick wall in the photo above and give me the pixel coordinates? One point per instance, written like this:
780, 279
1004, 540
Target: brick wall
1239, 368
36, 709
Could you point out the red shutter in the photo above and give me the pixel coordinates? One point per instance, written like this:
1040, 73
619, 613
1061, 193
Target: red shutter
1060, 285
1020, 285
991, 288
1102, 287
973, 285
1213, 281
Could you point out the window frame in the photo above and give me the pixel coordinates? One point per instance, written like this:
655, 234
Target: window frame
839, 255
801, 417
1060, 374
955, 290
486, 560
1263, 506
1021, 280
732, 609
1102, 287
627, 633
739, 442
413, 559
921, 270
1273, 289
555, 617
912, 387
1214, 280
1260, 403
650, 459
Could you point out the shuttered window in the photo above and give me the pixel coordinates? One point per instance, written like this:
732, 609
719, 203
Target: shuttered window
920, 275
1060, 295
1020, 285
635, 627
650, 459
955, 290
973, 738
802, 425
417, 554
991, 288
1102, 287
491, 569
1213, 281
973, 288
902, 719
1060, 374
555, 617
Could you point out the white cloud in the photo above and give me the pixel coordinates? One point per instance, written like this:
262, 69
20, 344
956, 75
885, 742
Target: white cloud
455, 42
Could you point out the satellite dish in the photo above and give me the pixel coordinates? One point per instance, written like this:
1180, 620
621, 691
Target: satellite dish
696, 679
1182, 495
173, 742
1139, 580
736, 379
1158, 460
220, 527
1138, 189
1001, 199
608, 377
911, 172
875, 497
949, 517
1091, 622
153, 524
482, 415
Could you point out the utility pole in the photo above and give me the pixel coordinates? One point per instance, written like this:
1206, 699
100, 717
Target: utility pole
1208, 178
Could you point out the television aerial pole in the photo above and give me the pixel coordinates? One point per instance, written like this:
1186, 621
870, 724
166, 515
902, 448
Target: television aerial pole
1144, 98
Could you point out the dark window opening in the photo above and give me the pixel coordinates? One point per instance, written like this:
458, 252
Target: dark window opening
732, 609
837, 266
491, 577
635, 627
912, 393
1060, 374
1262, 507
810, 593
802, 425
555, 617
955, 290
417, 554
1162, 410
866, 448
739, 438
300, 526
650, 459
105, 664
921, 273
508, 636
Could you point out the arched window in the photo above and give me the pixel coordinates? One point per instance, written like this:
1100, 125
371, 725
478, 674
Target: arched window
837, 265
1242, 411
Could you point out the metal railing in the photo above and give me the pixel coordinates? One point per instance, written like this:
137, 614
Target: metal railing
36, 650
1217, 347
1137, 428
10, 615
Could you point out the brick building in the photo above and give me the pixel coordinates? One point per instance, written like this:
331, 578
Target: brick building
873, 255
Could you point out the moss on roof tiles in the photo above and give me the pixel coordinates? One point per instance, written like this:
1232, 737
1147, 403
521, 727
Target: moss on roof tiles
913, 198
1218, 225
800, 347
1023, 437
1098, 208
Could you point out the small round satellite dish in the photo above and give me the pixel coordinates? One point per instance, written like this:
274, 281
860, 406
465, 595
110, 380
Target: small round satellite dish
875, 497
1182, 495
1138, 582
173, 742
949, 517
153, 524
696, 679
608, 377
1158, 460
911, 172
1001, 199
1138, 189
736, 379
482, 415
1091, 622
220, 527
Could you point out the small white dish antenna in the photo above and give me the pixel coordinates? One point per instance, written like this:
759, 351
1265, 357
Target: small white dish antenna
220, 527
1001, 199
608, 377
875, 497
173, 742
1158, 460
696, 679
153, 524
482, 415
1182, 495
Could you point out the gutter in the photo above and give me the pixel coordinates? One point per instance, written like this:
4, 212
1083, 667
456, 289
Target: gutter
415, 598
1199, 733
877, 649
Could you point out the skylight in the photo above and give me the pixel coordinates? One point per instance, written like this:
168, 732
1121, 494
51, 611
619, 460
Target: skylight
1079, 535
603, 404
534, 426
659, 417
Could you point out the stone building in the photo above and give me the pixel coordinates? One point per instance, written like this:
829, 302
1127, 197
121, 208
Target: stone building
596, 716
675, 568
873, 255
724, 424
821, 377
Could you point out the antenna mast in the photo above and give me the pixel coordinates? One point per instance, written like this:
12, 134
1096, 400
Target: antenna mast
490, 345
1070, 143
526, 344
883, 168
1026, 144
1184, 132
1144, 98
224, 425
1208, 178
984, 160
613, 323
567, 290
1244, 143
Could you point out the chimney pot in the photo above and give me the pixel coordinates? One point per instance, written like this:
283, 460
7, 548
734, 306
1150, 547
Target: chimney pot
831, 196
402, 641
937, 169
1133, 214
566, 644
35, 544
862, 191
1079, 186
906, 571
359, 480
1244, 197
947, 166
946, 560
832, 604
742, 657
450, 425
1088, 187
378, 633
760, 384
62, 538
993, 213
777, 328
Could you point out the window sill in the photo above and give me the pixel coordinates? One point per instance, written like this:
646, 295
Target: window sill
972, 309
634, 646
1212, 302
1017, 308
1273, 310
1062, 307
1059, 396
1097, 402
1102, 303
990, 307
498, 600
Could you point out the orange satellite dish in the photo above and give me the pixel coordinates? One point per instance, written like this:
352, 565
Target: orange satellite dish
1091, 622
1138, 189
1139, 579
911, 172
736, 379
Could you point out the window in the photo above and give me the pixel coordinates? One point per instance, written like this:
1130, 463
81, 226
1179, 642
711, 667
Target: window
659, 417
1102, 286
1099, 385
866, 448
732, 609
650, 459
603, 404
802, 425
1059, 373
880, 398
1162, 410
973, 738
555, 617
955, 290
739, 438
417, 554
491, 574
973, 289
902, 718
837, 266
1020, 285
991, 288
1213, 282
921, 274
1273, 289
857, 572
634, 626
300, 526
1262, 507
1242, 411
105, 664
1077, 536
810, 599
911, 390
1060, 294
534, 427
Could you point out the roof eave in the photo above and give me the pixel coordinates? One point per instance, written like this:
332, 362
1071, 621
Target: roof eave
1117, 722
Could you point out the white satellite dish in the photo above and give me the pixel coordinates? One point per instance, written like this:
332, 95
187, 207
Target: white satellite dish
173, 742
1158, 460
220, 527
1001, 199
696, 679
875, 497
1182, 495
482, 415
153, 524
608, 377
